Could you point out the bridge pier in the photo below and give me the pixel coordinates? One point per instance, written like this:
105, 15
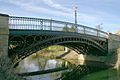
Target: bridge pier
4, 34
6, 72
118, 64
113, 48
114, 53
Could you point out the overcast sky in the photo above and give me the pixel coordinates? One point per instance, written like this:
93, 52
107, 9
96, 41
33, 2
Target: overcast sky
90, 12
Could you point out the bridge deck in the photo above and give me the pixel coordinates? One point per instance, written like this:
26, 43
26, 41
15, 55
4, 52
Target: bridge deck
48, 32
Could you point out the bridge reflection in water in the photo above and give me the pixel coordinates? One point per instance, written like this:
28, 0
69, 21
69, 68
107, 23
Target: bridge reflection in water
36, 68
35, 63
31, 64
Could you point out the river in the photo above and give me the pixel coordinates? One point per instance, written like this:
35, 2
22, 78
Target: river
35, 63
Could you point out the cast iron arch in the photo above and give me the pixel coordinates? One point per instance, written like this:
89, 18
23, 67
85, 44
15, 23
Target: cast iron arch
62, 40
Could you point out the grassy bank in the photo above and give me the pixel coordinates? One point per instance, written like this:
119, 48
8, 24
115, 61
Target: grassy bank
109, 74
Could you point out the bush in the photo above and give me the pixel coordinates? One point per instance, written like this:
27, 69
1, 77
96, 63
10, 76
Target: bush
6, 69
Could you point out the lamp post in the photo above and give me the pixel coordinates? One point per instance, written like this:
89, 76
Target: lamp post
98, 27
75, 13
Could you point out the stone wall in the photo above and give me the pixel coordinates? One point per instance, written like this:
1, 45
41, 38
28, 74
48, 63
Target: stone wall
113, 42
113, 45
117, 66
114, 53
4, 34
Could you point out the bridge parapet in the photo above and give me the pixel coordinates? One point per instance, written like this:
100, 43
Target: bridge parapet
53, 25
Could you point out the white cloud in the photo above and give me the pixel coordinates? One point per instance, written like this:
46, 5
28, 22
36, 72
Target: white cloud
82, 17
30, 6
56, 5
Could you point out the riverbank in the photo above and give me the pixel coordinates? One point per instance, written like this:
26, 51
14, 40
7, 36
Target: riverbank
108, 74
70, 56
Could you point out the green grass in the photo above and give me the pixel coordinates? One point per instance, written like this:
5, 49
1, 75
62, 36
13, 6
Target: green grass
109, 74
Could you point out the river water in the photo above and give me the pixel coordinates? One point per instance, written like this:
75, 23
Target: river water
35, 63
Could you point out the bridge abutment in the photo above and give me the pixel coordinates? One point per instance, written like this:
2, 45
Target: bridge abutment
113, 45
117, 66
114, 53
5, 63
4, 34
113, 42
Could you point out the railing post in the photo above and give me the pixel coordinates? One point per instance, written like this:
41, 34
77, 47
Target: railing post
97, 33
76, 29
41, 23
51, 24
84, 30
66, 27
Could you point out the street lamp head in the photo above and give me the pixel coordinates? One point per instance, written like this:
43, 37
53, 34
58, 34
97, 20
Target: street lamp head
75, 8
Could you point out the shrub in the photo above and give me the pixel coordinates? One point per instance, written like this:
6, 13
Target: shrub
6, 69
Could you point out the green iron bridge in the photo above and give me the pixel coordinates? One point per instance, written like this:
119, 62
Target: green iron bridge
23, 36
29, 35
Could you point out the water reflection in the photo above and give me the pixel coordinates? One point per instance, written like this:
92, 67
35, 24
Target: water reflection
34, 63
37, 62
51, 64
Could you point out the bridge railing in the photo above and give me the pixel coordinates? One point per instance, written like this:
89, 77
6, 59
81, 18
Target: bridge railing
49, 24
